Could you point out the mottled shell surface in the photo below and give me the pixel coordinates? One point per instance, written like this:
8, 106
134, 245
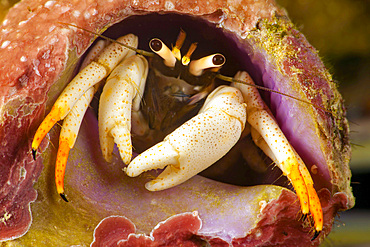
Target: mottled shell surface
38, 55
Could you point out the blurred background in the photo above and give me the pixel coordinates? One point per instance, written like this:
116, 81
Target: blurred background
340, 30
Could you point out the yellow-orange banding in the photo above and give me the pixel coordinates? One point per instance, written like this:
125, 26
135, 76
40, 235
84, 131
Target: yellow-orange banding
45, 126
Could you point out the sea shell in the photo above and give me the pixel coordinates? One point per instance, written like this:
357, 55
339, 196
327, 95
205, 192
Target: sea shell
38, 55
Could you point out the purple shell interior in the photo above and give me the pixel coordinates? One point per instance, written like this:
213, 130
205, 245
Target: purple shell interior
198, 209
298, 127
104, 185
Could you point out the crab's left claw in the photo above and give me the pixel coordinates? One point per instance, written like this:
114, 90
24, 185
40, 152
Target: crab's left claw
196, 144
269, 137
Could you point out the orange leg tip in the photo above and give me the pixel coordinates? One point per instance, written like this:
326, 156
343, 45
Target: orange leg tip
63, 196
60, 167
304, 217
34, 151
317, 233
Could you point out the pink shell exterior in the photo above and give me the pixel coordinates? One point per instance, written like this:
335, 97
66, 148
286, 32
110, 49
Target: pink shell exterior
34, 49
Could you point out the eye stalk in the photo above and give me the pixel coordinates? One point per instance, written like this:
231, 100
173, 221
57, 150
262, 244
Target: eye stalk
196, 67
158, 47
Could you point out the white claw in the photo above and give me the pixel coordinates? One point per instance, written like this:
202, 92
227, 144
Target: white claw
196, 144
168, 156
123, 87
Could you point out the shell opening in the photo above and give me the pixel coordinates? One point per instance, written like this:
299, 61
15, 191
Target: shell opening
245, 164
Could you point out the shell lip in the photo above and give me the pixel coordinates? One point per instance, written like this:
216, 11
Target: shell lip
241, 54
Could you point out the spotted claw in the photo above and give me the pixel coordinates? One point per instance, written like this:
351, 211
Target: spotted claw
121, 94
196, 144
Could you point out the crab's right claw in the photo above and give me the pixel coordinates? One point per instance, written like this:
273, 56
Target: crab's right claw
196, 144
270, 138
85, 79
123, 90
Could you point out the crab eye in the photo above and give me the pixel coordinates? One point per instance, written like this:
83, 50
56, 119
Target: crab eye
218, 60
196, 67
158, 47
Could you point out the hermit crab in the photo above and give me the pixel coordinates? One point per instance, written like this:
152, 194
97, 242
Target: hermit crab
181, 109
190, 148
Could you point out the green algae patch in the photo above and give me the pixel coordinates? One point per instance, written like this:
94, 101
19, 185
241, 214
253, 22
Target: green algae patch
270, 37
300, 72
55, 222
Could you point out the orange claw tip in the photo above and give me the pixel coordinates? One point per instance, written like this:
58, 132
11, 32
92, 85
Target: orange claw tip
63, 196
317, 233
34, 151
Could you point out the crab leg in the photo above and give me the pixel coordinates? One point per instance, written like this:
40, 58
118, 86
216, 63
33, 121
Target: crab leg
68, 136
85, 79
281, 151
196, 144
123, 90
314, 201
72, 123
